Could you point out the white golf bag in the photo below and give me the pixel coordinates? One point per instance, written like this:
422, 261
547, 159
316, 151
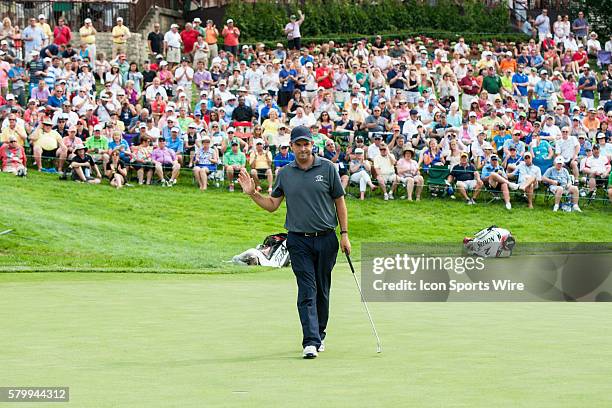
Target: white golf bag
272, 252
490, 242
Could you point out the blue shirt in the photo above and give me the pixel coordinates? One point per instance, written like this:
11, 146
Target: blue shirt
520, 146
500, 140
518, 79
489, 168
264, 112
281, 161
544, 89
537, 60
588, 81
56, 102
112, 145
16, 71
540, 151
562, 176
176, 144
289, 85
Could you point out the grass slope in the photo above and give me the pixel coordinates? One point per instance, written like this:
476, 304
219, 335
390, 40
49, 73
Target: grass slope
126, 340
68, 225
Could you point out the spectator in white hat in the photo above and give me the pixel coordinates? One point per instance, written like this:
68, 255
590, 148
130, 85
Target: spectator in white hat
121, 34
88, 37
559, 183
205, 162
231, 37
172, 45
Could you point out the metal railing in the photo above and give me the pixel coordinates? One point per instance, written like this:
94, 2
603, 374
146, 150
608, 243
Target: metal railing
103, 13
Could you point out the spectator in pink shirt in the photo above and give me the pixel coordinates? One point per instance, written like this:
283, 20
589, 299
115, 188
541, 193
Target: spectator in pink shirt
569, 90
165, 159
408, 173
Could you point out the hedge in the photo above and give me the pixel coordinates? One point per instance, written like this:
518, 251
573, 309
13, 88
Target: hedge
265, 20
470, 38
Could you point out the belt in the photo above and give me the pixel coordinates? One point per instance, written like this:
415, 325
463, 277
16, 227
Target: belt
313, 234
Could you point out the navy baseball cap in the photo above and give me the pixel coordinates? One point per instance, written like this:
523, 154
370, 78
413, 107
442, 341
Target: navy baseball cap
301, 133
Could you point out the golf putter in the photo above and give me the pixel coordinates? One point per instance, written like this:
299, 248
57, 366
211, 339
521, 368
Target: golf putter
365, 304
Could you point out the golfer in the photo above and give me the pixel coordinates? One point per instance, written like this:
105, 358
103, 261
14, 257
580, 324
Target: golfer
315, 205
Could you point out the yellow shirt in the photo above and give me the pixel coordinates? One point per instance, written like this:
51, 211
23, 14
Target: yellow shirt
48, 141
120, 30
18, 132
46, 29
261, 160
270, 128
88, 34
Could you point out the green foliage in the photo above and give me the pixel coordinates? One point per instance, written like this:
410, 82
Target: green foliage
264, 20
597, 13
392, 35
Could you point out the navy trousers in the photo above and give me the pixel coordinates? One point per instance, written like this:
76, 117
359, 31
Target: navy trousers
312, 260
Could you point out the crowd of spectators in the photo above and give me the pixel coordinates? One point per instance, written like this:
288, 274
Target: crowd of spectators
500, 116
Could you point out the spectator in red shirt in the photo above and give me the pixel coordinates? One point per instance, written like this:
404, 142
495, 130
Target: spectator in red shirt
231, 35
61, 34
324, 75
189, 37
580, 56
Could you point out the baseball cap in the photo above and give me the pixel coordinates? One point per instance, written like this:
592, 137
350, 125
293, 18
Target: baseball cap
600, 135
301, 133
355, 100
142, 126
206, 138
234, 143
175, 129
10, 97
259, 141
464, 154
231, 130
414, 112
98, 127
192, 126
358, 150
493, 157
559, 160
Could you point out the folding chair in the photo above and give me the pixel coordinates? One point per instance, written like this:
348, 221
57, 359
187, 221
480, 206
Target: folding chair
436, 180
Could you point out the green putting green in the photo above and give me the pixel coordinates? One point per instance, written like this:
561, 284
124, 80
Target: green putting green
161, 340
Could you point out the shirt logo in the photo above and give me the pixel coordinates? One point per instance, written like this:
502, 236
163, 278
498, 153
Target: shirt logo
319, 178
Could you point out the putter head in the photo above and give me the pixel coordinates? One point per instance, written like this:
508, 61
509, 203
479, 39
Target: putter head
378, 349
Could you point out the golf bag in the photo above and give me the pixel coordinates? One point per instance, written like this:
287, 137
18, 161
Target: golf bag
490, 242
272, 252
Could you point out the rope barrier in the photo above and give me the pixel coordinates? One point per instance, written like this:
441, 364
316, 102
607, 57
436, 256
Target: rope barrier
537, 193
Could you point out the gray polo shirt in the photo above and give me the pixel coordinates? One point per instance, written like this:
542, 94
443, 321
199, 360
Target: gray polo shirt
310, 195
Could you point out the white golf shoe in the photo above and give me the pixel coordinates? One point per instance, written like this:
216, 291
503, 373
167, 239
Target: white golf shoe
309, 352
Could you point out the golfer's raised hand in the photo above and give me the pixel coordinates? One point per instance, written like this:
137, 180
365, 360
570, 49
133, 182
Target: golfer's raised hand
248, 187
